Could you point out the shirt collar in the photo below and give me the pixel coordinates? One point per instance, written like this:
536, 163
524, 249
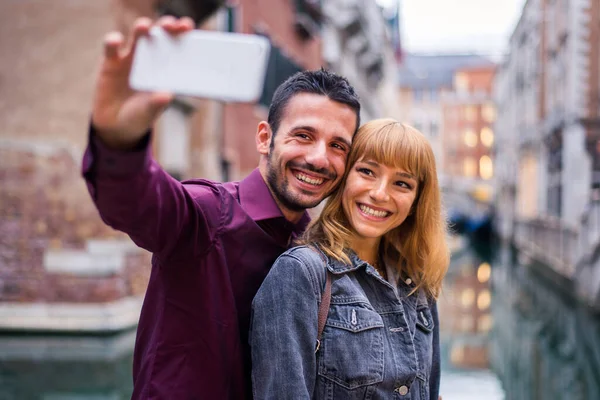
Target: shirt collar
256, 199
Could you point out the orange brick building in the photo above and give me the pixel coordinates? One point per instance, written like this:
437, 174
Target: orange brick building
469, 115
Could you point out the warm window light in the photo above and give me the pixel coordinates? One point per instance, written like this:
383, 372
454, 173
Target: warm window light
469, 167
470, 138
486, 168
484, 299
487, 137
483, 272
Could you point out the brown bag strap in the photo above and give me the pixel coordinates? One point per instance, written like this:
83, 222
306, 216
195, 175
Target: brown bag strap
324, 307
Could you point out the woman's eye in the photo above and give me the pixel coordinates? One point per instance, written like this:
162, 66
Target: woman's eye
403, 184
365, 171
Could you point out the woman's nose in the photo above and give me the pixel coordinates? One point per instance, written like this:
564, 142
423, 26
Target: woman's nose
379, 192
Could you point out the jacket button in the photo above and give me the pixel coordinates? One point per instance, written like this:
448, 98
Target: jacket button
402, 390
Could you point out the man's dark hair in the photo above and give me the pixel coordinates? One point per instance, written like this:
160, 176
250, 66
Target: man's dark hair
321, 82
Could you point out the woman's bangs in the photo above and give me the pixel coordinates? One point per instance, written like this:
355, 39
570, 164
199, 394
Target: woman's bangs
394, 146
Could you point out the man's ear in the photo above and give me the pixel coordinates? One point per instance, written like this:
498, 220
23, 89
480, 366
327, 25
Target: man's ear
264, 135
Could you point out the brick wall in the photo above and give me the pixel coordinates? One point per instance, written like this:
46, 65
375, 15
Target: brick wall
50, 54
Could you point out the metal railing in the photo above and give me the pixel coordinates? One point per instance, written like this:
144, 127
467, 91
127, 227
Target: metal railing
550, 241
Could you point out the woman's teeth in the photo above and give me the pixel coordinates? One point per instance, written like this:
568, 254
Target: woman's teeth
375, 213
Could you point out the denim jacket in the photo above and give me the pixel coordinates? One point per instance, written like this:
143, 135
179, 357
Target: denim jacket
378, 343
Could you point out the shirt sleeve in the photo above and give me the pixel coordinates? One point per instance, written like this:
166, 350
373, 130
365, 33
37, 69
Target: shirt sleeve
434, 379
135, 195
283, 332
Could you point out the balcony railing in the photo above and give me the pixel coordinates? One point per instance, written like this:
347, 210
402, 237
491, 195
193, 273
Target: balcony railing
549, 241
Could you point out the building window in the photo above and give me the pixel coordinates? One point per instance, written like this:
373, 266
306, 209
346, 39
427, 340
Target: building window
470, 138
470, 113
461, 82
484, 323
484, 299
486, 167
488, 112
279, 68
469, 167
487, 136
231, 20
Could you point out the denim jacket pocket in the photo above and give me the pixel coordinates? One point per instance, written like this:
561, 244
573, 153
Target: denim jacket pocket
425, 319
351, 353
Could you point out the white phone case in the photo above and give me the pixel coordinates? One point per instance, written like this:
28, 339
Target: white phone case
209, 64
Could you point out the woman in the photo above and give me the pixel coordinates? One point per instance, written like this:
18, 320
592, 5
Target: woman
382, 239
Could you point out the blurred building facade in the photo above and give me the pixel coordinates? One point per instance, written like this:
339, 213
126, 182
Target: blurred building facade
468, 115
360, 42
61, 267
547, 92
448, 97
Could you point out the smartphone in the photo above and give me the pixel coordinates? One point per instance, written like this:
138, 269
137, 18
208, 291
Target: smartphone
207, 64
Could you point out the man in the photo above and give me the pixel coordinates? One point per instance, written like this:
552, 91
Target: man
212, 243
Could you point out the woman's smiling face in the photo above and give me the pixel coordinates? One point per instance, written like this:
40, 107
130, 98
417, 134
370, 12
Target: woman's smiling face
377, 198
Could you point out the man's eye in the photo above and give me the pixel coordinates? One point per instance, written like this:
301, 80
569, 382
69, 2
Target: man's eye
339, 146
302, 136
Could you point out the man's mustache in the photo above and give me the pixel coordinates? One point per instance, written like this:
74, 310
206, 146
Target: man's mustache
311, 168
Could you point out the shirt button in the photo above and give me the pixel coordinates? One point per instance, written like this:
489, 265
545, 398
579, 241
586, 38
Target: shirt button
408, 281
402, 390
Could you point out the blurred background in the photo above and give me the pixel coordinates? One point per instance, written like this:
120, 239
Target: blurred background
508, 92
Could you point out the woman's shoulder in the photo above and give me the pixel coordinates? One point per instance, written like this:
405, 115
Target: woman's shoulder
306, 253
307, 257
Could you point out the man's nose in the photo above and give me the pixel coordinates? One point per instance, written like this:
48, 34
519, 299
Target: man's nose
318, 156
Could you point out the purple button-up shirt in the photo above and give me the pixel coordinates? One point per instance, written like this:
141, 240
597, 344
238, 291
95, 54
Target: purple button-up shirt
212, 244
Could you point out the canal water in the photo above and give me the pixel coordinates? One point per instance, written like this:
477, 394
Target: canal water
507, 332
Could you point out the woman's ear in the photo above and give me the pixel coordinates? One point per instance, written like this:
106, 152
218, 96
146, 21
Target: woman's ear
264, 135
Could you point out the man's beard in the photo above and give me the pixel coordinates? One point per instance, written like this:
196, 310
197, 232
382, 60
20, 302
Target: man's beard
279, 186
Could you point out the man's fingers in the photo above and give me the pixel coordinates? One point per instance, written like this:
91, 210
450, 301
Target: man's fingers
186, 24
113, 42
169, 23
140, 28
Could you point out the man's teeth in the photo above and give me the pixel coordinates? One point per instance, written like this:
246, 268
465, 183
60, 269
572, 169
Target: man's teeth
370, 211
308, 179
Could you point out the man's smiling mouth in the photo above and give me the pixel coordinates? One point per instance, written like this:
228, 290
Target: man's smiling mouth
309, 179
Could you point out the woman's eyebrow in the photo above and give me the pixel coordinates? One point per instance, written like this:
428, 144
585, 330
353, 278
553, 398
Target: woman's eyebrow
402, 174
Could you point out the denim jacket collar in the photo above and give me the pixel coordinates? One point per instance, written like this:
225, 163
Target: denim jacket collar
338, 267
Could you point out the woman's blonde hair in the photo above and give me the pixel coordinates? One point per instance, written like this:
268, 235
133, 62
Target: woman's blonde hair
418, 245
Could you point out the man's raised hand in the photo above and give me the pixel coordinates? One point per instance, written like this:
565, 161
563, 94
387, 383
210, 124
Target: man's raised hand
120, 115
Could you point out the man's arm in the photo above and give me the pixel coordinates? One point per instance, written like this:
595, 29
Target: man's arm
132, 193
135, 195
